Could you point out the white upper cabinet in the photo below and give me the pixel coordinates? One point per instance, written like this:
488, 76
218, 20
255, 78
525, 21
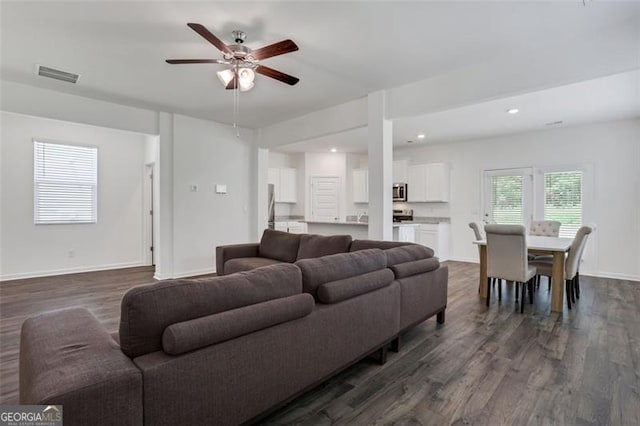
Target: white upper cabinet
399, 171
361, 186
285, 183
428, 183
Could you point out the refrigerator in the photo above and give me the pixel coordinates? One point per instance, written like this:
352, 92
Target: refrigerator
272, 206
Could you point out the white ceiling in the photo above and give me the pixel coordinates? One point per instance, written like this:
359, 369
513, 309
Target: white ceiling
608, 98
347, 49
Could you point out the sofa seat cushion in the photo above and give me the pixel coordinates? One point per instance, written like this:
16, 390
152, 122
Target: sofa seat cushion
147, 310
319, 245
407, 253
279, 245
68, 358
415, 267
205, 331
357, 245
318, 271
337, 291
240, 264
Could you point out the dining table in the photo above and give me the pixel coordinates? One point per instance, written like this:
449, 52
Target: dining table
536, 245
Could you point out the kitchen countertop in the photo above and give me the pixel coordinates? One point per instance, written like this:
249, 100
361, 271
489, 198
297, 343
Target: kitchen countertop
395, 224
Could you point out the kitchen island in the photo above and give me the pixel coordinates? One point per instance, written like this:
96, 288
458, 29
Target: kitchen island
360, 230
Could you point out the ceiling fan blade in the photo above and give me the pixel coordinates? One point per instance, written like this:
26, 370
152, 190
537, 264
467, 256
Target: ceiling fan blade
232, 84
275, 49
270, 72
200, 29
196, 61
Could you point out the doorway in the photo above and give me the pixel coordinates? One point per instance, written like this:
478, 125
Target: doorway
149, 257
325, 192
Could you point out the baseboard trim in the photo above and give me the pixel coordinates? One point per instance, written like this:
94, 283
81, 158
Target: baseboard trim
67, 271
611, 275
463, 259
194, 273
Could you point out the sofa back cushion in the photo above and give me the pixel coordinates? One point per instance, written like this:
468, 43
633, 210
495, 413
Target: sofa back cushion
147, 310
357, 245
347, 288
319, 245
415, 267
407, 253
197, 333
318, 271
279, 245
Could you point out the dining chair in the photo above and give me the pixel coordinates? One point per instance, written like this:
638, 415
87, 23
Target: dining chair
507, 259
571, 265
477, 231
544, 228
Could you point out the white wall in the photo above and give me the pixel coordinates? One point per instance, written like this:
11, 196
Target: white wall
206, 153
115, 241
612, 148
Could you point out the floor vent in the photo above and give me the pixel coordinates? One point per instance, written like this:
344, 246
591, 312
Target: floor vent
57, 74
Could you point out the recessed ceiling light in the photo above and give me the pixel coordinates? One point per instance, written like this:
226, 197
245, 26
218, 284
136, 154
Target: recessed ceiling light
513, 110
334, 150
421, 136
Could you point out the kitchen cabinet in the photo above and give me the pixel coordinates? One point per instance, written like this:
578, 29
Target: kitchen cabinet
436, 237
285, 184
291, 226
399, 171
428, 183
361, 186
406, 234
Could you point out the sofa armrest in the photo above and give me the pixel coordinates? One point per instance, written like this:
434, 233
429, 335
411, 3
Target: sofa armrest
68, 358
337, 291
224, 253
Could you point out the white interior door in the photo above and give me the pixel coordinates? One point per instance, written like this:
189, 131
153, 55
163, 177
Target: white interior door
508, 196
324, 198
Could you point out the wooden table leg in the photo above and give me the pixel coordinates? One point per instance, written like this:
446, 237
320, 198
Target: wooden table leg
483, 271
557, 286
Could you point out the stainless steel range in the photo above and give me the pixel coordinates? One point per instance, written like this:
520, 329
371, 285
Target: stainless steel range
402, 215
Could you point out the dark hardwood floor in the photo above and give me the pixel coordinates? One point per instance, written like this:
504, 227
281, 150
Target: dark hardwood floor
484, 366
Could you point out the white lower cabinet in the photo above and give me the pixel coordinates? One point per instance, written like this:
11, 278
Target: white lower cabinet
436, 237
407, 234
292, 227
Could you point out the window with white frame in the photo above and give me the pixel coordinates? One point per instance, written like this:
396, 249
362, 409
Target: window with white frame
563, 200
65, 182
516, 196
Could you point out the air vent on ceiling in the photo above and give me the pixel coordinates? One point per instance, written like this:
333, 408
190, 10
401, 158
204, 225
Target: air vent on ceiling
554, 123
57, 74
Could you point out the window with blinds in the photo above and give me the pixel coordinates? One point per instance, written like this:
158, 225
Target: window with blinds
65, 183
506, 199
563, 200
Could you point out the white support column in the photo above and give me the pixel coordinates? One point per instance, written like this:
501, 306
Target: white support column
261, 181
380, 134
164, 234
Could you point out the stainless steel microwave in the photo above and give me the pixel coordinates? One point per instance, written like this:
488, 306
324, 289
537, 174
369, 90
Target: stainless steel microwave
399, 192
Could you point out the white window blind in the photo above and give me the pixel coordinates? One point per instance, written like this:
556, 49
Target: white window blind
563, 200
65, 183
506, 199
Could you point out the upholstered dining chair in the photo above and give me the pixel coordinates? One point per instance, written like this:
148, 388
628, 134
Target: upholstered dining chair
477, 231
507, 259
571, 265
544, 228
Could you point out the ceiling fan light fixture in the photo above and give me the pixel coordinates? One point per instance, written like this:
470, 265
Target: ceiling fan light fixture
244, 86
225, 76
245, 79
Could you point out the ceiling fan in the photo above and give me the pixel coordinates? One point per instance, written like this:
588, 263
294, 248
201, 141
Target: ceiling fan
244, 62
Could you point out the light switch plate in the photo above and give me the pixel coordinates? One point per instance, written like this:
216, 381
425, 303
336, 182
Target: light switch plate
221, 189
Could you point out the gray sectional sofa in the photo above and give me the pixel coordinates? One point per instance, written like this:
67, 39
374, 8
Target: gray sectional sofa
226, 349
